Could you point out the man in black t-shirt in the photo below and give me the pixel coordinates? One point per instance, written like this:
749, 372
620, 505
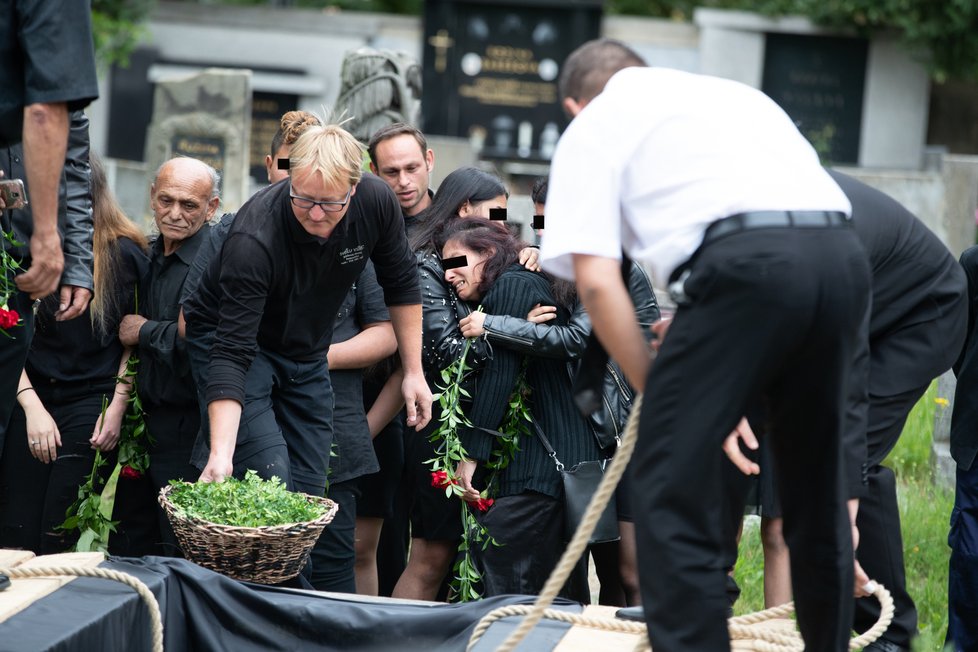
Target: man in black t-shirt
262, 318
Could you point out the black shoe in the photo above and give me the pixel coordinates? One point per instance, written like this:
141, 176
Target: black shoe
631, 613
883, 645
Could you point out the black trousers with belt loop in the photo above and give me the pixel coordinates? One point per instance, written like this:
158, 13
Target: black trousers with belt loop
767, 310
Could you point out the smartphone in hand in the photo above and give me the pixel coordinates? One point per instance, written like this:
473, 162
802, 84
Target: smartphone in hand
13, 193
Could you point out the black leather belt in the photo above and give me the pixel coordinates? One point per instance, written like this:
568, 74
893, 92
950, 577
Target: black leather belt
774, 220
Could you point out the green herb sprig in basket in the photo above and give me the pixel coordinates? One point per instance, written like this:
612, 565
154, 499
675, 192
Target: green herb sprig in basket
251, 502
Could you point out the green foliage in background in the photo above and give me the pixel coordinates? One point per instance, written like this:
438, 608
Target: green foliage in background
944, 28
118, 26
924, 512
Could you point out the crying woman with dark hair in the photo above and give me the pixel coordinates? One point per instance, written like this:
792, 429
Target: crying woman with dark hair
527, 517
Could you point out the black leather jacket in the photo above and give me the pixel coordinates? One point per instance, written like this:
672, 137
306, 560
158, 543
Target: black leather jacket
441, 311
74, 204
569, 342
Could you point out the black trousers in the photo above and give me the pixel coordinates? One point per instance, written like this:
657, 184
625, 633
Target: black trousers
772, 313
530, 530
962, 583
286, 426
334, 556
880, 551
35, 496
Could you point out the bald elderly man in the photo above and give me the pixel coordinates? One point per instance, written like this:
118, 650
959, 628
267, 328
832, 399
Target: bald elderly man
184, 197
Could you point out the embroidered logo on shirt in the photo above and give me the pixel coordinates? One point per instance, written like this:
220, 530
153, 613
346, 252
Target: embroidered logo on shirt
351, 254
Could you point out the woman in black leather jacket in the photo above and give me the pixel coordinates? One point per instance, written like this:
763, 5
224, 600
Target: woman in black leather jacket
527, 518
615, 562
435, 525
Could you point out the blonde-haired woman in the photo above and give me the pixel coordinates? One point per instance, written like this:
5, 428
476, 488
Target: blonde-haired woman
70, 401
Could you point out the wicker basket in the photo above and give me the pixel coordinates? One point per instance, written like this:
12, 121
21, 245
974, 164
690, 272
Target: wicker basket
267, 555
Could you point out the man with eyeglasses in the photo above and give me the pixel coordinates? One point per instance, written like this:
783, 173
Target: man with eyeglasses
263, 315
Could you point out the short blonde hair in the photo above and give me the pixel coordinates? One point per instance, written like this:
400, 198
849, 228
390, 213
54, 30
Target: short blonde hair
331, 152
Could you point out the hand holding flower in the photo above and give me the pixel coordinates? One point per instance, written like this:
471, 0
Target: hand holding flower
464, 473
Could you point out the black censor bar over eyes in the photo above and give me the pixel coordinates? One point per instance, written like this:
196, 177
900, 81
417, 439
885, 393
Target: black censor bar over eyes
452, 263
538, 221
497, 214
283, 164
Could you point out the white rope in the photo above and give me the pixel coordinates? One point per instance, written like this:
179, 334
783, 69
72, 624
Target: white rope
754, 631
156, 620
746, 632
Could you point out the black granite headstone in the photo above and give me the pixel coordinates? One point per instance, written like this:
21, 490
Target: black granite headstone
491, 69
208, 149
819, 81
266, 115
131, 105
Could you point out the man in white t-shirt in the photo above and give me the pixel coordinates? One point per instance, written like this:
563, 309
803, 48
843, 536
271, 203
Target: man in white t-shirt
710, 182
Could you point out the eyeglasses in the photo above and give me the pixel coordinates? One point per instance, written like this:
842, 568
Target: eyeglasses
328, 206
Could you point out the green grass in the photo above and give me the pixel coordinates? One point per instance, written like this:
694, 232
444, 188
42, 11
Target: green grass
924, 511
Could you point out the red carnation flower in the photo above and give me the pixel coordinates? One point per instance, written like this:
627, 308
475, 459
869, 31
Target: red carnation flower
129, 473
8, 318
483, 504
440, 479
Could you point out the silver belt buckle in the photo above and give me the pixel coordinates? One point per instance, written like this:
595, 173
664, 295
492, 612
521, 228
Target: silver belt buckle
677, 289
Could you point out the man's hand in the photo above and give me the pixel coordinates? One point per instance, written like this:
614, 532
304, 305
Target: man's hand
731, 446
463, 473
47, 263
659, 330
217, 469
129, 329
529, 257
863, 586
472, 324
181, 324
74, 302
417, 400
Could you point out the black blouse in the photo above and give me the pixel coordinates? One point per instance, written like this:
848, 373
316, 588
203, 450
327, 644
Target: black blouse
74, 350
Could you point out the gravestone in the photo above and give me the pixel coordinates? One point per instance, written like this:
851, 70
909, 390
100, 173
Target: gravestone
819, 81
267, 110
490, 71
207, 116
130, 106
944, 467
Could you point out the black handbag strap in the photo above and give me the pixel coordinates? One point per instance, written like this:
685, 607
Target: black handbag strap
588, 385
547, 445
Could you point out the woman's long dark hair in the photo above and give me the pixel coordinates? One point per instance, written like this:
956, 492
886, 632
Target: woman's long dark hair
482, 236
466, 184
